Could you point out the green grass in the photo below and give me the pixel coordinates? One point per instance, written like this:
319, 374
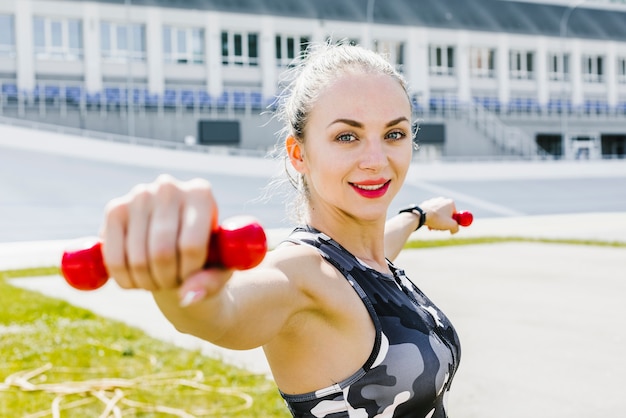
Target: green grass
57, 356
496, 240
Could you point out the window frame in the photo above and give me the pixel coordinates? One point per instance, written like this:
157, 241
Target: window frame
8, 48
236, 48
593, 68
558, 66
116, 53
478, 56
521, 63
439, 63
393, 50
190, 55
621, 70
64, 51
286, 57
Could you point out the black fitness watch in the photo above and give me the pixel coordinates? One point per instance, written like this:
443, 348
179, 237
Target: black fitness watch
416, 210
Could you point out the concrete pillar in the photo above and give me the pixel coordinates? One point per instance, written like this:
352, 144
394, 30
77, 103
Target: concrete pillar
610, 67
463, 67
541, 72
268, 57
91, 47
502, 69
24, 45
319, 33
576, 75
213, 43
154, 50
417, 72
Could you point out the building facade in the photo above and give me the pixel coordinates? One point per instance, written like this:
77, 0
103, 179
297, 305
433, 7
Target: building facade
495, 65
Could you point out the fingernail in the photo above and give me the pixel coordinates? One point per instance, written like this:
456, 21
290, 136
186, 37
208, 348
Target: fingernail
191, 297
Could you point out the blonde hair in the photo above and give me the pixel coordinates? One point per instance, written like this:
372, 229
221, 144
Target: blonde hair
318, 67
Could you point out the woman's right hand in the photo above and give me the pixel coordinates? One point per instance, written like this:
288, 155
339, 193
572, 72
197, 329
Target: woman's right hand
157, 235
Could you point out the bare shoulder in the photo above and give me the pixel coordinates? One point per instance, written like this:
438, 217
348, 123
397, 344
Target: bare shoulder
307, 270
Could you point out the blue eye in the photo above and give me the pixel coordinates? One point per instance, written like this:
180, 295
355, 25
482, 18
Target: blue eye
346, 138
396, 135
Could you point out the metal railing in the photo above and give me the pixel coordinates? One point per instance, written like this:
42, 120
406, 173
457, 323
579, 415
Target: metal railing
105, 136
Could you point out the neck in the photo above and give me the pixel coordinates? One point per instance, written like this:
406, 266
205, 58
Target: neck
364, 240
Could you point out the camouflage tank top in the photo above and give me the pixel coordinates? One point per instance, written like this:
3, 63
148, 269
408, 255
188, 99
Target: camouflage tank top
415, 355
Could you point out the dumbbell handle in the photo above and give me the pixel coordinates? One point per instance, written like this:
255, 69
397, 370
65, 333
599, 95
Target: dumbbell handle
464, 218
238, 243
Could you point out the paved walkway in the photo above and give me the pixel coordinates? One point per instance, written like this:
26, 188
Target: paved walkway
543, 326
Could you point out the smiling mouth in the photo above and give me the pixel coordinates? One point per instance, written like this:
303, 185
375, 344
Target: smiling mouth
370, 187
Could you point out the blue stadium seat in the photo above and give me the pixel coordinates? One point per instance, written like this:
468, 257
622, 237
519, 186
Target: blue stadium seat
596, 106
204, 99
256, 100
531, 105
436, 103
93, 99
170, 98
52, 92
272, 102
187, 98
9, 90
555, 106
149, 99
73, 94
37, 92
516, 105
138, 96
239, 100
113, 96
492, 103
415, 104
223, 101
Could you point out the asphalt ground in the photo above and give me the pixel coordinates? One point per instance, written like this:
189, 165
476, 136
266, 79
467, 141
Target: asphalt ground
542, 326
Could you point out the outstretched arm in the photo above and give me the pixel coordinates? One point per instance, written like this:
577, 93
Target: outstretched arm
399, 228
156, 238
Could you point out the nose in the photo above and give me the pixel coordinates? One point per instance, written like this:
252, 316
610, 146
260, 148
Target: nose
374, 155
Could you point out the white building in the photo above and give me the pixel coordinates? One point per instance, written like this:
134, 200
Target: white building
488, 77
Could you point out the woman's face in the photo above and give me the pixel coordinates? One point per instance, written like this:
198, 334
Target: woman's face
358, 146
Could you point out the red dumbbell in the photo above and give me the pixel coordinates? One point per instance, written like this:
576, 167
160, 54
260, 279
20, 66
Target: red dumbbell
238, 243
463, 218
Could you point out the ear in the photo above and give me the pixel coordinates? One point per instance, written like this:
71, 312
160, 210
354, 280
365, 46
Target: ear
295, 154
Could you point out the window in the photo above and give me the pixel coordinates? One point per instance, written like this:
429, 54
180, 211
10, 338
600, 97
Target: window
7, 35
482, 62
59, 39
183, 45
122, 42
393, 50
558, 66
521, 65
593, 68
240, 49
621, 70
441, 60
289, 48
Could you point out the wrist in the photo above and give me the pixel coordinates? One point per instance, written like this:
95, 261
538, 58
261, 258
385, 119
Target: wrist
417, 211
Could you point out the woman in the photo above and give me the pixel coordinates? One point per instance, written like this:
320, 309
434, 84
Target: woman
346, 334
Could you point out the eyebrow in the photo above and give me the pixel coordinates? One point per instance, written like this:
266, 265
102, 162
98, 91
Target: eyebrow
358, 124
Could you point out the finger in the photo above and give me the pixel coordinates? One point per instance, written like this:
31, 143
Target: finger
113, 234
198, 219
139, 218
202, 285
163, 234
454, 227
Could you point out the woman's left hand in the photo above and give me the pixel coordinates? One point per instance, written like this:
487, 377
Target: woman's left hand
439, 211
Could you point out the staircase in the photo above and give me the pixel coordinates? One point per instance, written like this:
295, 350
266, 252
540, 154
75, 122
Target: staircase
508, 139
